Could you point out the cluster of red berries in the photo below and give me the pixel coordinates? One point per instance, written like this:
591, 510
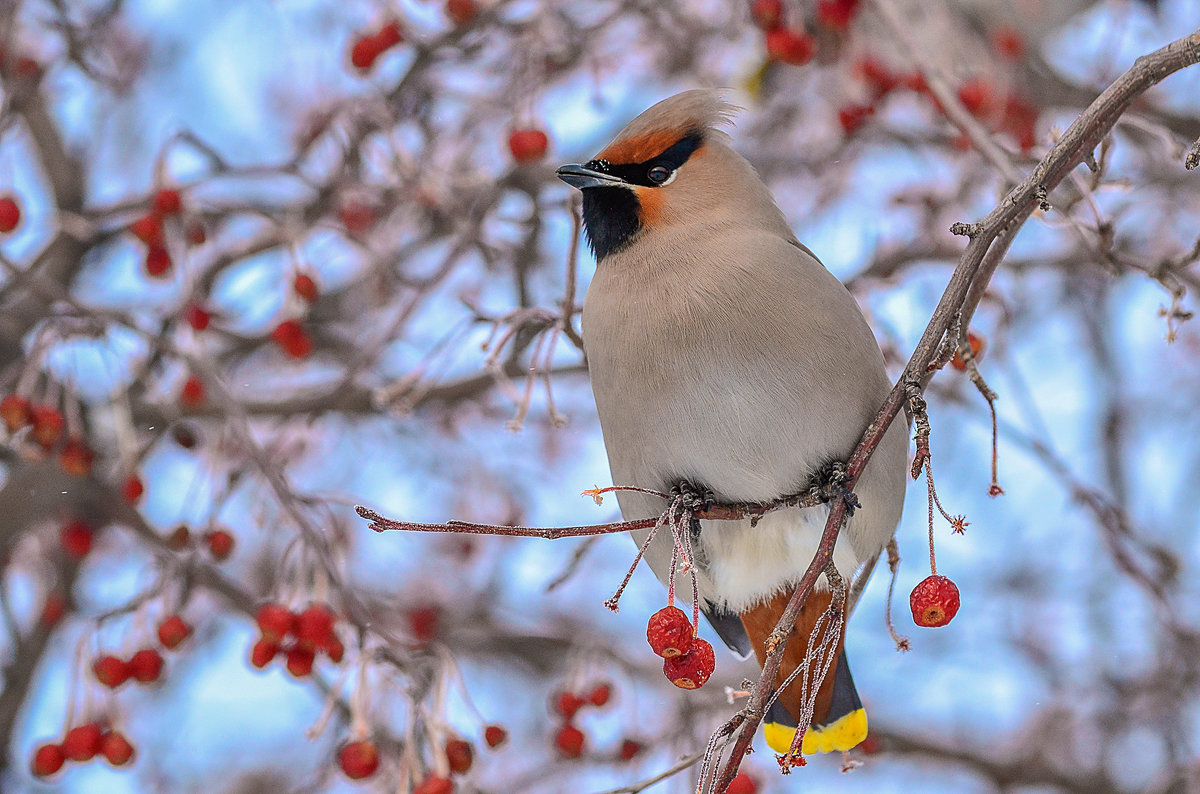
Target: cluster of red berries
82, 743
367, 48
47, 427
146, 665
297, 636
784, 43
149, 229
218, 542
10, 214
528, 145
360, 759
688, 660
569, 740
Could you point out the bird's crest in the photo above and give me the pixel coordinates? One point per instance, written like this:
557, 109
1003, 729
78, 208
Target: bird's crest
701, 110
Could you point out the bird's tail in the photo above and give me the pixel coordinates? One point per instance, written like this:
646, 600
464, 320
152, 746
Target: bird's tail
839, 721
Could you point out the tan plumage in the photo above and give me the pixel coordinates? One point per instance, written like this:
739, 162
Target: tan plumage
722, 353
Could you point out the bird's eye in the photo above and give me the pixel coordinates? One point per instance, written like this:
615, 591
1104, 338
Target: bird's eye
659, 174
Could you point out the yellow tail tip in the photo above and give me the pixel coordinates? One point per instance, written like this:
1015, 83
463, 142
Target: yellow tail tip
844, 733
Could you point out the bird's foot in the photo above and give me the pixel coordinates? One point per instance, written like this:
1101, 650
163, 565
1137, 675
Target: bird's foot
690, 496
829, 483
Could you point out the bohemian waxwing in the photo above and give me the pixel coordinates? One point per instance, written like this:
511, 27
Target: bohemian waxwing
724, 356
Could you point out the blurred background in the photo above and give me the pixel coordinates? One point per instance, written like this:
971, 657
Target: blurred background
263, 261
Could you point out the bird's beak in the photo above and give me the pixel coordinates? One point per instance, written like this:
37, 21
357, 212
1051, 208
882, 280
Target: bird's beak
583, 178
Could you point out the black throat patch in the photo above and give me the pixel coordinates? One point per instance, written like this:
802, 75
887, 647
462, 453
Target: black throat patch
610, 219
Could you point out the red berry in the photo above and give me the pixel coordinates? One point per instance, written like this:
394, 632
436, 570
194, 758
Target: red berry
359, 759
629, 749
600, 694
977, 343
390, 35
173, 631
47, 760
53, 609
305, 287
915, 81
335, 651
975, 95
669, 632
566, 704
116, 749
742, 784
146, 665
196, 234
851, 117
110, 671
167, 202
314, 627
358, 218
934, 601
76, 458
275, 621
47, 425
692, 669
877, 76
767, 14
836, 14
14, 410
790, 46
434, 785
1007, 42
423, 622
459, 755
1020, 121
569, 741
132, 489
263, 652
180, 538
461, 12
495, 735
197, 316
158, 260
192, 393
83, 742
300, 661
10, 214
148, 229
528, 145
184, 436
292, 339
76, 539
220, 543
364, 52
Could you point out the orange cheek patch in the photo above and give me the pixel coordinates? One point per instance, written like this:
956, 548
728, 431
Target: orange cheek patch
651, 204
640, 148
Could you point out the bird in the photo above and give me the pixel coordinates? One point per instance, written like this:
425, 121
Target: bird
726, 360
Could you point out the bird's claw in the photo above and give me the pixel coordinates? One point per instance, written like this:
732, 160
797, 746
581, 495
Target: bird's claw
692, 497
829, 483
